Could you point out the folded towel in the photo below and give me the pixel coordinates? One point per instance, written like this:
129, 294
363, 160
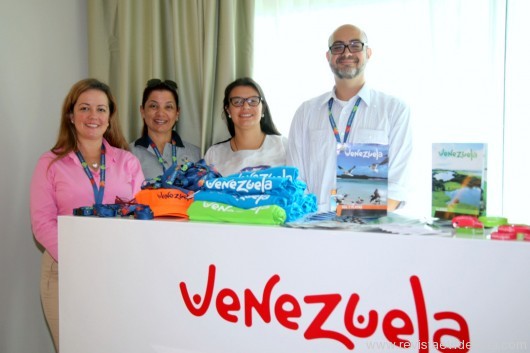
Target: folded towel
220, 212
279, 172
295, 206
255, 185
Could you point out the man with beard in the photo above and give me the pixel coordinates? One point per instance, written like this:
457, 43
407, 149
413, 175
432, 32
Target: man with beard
353, 109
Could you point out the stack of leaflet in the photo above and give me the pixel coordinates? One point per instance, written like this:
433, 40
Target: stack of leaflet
266, 196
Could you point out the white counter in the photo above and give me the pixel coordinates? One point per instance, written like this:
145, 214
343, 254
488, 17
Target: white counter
124, 285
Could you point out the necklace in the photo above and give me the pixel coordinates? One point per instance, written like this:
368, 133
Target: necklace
95, 165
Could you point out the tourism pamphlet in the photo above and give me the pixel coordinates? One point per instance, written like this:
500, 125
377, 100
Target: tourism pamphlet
362, 180
459, 179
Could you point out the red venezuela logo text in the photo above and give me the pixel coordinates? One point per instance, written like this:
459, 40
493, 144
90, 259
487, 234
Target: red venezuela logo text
198, 305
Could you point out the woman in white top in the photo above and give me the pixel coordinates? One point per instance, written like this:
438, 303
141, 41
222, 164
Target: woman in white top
255, 141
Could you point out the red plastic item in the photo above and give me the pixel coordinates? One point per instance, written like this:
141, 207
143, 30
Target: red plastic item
466, 222
503, 235
522, 228
520, 231
507, 228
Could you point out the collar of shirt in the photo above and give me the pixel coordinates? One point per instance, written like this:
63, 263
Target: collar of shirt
144, 142
364, 93
110, 155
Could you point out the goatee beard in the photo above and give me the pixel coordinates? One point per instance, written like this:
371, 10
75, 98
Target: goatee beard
348, 73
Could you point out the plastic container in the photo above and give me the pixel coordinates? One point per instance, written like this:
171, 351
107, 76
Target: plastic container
520, 230
503, 235
491, 223
468, 227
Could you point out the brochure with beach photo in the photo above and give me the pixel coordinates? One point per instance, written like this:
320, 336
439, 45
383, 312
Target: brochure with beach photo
459, 184
362, 180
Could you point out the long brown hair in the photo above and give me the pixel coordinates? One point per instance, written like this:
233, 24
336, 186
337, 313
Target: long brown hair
67, 138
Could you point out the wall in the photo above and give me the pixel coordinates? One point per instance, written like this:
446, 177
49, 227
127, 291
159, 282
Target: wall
43, 51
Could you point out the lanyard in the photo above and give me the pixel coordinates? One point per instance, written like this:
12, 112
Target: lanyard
348, 125
159, 155
139, 211
98, 193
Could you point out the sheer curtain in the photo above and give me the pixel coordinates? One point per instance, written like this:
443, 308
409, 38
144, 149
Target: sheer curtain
517, 117
202, 45
444, 58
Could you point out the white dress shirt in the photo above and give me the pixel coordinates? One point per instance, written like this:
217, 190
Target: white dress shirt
380, 119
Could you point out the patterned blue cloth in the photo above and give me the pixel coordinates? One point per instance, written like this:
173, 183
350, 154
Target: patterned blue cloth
186, 176
272, 186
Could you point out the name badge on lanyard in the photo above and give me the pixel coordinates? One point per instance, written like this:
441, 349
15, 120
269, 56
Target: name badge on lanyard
159, 155
98, 192
340, 144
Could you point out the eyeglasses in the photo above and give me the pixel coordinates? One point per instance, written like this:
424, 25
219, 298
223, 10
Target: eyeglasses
354, 46
157, 82
239, 101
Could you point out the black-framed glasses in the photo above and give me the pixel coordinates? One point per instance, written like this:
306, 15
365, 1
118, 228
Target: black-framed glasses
354, 46
239, 101
157, 82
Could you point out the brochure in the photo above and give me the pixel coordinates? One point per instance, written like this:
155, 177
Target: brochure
362, 180
459, 179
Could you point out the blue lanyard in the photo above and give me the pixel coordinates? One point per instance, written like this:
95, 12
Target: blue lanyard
98, 193
348, 125
159, 155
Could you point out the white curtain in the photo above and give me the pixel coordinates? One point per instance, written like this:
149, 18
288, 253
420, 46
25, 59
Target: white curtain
517, 114
445, 58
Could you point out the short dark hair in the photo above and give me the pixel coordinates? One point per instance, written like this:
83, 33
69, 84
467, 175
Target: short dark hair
156, 84
266, 123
